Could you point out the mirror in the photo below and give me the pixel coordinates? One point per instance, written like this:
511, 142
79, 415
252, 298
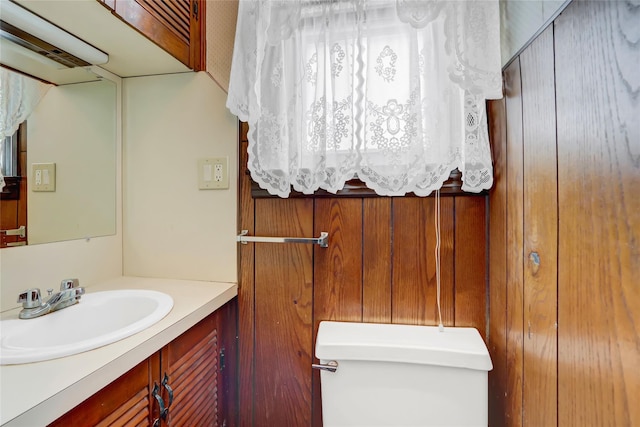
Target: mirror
73, 127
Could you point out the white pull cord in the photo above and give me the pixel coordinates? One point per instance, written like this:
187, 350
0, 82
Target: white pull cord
437, 220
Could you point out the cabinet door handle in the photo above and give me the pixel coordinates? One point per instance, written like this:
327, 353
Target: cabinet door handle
163, 410
165, 384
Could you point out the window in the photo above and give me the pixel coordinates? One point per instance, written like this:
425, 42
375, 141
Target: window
9, 155
10, 164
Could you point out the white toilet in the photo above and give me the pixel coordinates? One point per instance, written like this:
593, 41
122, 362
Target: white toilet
401, 375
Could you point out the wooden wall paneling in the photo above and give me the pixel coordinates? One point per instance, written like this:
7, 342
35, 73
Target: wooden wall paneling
246, 290
283, 314
414, 278
448, 261
8, 220
540, 232
497, 341
377, 238
470, 305
515, 258
597, 79
9, 214
409, 253
337, 270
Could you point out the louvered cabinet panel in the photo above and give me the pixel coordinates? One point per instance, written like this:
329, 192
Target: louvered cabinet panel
191, 363
177, 26
124, 402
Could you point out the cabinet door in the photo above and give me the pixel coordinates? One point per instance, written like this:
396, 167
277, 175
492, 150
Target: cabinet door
126, 401
190, 364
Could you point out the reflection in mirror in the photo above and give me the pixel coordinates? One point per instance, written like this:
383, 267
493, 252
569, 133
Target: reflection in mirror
9, 152
13, 207
70, 141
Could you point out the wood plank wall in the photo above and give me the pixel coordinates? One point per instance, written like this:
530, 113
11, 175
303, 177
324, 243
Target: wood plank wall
599, 184
540, 233
379, 267
565, 225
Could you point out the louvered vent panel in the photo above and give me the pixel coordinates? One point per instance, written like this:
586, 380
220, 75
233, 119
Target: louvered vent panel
174, 14
134, 412
194, 379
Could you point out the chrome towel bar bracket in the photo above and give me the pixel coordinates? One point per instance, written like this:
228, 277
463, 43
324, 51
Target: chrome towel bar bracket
21, 232
322, 241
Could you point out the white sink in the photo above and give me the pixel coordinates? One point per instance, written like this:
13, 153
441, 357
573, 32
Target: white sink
99, 318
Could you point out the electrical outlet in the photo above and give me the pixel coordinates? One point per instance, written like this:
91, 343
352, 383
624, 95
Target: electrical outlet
213, 173
43, 177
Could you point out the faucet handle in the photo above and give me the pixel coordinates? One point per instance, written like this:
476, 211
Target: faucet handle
30, 298
69, 284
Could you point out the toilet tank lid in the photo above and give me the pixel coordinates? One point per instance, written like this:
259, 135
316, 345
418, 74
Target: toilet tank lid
454, 347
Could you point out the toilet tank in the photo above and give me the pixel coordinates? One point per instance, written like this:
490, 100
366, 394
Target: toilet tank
402, 375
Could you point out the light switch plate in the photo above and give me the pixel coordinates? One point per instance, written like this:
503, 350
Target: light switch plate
213, 173
43, 177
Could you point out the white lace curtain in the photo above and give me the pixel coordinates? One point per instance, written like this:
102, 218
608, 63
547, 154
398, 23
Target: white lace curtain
392, 91
19, 95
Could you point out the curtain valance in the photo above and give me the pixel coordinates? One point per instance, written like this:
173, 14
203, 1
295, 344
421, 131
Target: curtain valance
391, 91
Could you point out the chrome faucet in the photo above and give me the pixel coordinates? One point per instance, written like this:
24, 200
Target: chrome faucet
69, 294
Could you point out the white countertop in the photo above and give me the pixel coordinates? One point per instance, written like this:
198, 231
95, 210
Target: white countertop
35, 394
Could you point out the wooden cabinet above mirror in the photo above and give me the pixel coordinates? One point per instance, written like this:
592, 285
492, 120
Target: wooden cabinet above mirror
177, 26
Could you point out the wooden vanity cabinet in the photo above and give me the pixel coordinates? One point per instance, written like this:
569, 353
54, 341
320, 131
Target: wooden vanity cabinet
177, 26
186, 374
126, 401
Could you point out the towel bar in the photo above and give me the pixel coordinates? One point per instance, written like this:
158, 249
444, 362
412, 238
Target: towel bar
322, 241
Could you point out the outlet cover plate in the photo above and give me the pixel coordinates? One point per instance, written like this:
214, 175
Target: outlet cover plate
213, 173
43, 177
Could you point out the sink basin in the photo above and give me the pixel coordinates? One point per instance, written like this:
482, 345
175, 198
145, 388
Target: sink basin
100, 318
